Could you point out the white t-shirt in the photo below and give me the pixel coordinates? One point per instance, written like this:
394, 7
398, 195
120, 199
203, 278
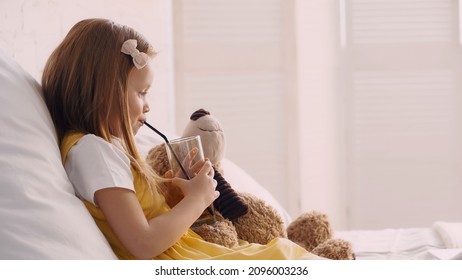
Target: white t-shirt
94, 164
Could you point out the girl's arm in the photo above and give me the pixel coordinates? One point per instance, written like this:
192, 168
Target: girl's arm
148, 238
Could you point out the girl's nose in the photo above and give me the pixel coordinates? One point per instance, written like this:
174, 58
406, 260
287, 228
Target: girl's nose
146, 108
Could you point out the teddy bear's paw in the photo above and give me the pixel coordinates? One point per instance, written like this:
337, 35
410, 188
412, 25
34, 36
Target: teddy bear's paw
222, 233
335, 249
310, 229
261, 224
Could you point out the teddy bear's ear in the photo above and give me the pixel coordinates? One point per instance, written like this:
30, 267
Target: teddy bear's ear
199, 113
229, 204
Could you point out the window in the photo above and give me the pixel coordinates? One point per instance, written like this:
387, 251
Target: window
403, 109
232, 58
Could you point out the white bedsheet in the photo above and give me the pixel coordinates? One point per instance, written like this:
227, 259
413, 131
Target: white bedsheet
395, 244
450, 233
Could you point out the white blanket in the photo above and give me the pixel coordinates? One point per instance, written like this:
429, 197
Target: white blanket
393, 244
450, 233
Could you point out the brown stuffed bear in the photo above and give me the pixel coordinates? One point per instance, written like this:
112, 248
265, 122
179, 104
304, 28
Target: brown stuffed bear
242, 216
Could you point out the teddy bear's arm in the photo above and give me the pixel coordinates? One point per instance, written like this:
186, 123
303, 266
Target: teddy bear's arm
229, 204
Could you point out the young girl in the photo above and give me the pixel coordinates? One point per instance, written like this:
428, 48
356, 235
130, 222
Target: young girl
95, 85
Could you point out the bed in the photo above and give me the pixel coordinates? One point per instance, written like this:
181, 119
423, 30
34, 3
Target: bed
41, 218
405, 243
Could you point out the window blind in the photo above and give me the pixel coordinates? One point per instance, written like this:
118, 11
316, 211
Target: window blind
403, 112
230, 60
401, 21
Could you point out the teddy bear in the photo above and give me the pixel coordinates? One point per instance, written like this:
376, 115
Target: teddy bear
243, 216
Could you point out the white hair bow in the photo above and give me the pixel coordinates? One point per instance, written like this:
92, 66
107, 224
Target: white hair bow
140, 59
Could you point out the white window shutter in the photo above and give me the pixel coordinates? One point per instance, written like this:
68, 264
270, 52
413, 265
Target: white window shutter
229, 59
403, 112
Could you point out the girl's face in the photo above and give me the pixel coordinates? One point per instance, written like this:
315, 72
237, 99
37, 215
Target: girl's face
139, 82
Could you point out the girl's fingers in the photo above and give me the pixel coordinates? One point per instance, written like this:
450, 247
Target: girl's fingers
191, 164
190, 157
207, 169
197, 167
168, 174
211, 173
177, 181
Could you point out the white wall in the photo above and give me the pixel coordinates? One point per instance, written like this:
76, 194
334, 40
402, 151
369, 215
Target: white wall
30, 30
322, 184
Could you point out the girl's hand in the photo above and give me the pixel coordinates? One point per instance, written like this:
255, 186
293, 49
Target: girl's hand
191, 164
201, 187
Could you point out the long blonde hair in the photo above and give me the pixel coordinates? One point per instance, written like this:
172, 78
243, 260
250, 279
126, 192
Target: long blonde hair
85, 84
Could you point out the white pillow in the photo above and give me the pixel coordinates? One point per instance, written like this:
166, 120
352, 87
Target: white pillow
241, 181
147, 139
40, 217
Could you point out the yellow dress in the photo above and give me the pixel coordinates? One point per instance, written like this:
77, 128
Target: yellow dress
190, 245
